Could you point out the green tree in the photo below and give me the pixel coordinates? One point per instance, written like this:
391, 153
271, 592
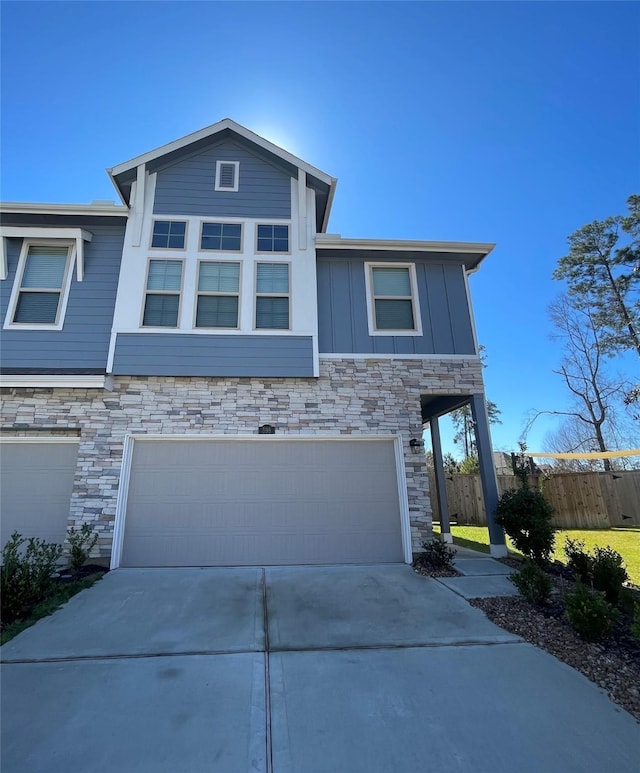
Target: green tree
463, 423
470, 465
602, 270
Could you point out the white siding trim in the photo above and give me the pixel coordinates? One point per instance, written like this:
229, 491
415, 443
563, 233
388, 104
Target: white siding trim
374, 356
403, 498
38, 439
67, 381
127, 462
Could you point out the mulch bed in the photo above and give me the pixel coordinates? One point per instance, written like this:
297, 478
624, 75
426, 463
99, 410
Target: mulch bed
71, 575
612, 663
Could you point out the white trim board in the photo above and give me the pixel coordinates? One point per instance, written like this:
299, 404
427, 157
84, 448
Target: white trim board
36, 439
69, 382
127, 459
375, 356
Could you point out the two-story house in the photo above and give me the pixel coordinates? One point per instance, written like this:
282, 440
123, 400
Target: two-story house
207, 377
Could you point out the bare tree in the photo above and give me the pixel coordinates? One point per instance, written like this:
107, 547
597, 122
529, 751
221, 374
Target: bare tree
594, 392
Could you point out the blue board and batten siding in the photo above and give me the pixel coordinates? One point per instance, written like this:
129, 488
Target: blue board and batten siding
342, 311
182, 354
83, 343
187, 187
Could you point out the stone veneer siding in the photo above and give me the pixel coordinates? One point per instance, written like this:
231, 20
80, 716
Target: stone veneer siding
351, 396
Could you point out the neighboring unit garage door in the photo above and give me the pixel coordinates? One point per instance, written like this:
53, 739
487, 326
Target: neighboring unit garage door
262, 501
36, 485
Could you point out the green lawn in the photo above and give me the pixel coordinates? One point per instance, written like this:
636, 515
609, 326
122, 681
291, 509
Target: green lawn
625, 541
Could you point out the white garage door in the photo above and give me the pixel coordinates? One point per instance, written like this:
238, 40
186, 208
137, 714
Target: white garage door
36, 486
262, 501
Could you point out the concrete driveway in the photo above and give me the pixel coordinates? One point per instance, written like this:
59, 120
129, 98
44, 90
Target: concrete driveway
294, 670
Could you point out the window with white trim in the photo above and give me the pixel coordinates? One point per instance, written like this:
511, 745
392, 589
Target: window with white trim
272, 238
44, 279
392, 299
218, 294
272, 296
227, 173
162, 296
224, 237
168, 234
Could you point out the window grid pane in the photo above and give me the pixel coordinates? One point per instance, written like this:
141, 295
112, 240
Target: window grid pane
221, 236
272, 313
391, 282
273, 238
219, 277
168, 234
272, 278
37, 308
394, 314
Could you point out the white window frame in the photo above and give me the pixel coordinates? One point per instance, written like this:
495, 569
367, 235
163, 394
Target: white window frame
236, 175
220, 252
169, 220
9, 324
146, 292
217, 294
371, 298
272, 252
257, 295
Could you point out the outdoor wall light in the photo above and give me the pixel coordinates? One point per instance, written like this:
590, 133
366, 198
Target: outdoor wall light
416, 445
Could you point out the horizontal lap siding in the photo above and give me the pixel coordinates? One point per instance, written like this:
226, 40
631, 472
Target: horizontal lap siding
188, 187
342, 311
159, 354
83, 342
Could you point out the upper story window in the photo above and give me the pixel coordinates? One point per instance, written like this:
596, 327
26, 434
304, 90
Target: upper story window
272, 296
162, 296
169, 234
273, 238
227, 173
226, 237
218, 294
392, 299
42, 282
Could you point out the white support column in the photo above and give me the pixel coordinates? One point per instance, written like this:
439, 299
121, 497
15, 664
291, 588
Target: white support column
302, 209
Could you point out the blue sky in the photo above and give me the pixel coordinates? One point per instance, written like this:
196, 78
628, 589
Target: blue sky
513, 123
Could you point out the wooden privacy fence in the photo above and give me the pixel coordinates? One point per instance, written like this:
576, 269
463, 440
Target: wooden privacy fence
581, 500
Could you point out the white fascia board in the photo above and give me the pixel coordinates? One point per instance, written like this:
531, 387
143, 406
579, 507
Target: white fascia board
330, 197
210, 131
402, 245
69, 382
78, 235
26, 208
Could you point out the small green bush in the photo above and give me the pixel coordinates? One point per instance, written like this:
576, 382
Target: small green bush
579, 559
533, 583
26, 574
82, 542
438, 554
608, 573
526, 517
590, 614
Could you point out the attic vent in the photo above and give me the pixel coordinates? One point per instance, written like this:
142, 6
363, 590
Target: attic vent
227, 175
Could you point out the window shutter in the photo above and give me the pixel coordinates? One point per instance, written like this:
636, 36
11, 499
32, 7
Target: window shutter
391, 281
219, 277
45, 267
164, 275
272, 313
272, 278
394, 315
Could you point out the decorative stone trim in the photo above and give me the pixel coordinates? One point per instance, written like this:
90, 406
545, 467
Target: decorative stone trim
373, 396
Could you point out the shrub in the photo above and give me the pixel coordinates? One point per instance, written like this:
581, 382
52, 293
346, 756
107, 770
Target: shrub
578, 559
533, 583
635, 620
25, 574
438, 554
82, 542
526, 517
608, 573
590, 614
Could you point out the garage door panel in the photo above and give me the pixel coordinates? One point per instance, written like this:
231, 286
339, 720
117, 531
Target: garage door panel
35, 492
273, 502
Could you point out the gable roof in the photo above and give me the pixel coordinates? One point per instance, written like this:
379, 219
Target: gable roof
323, 184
